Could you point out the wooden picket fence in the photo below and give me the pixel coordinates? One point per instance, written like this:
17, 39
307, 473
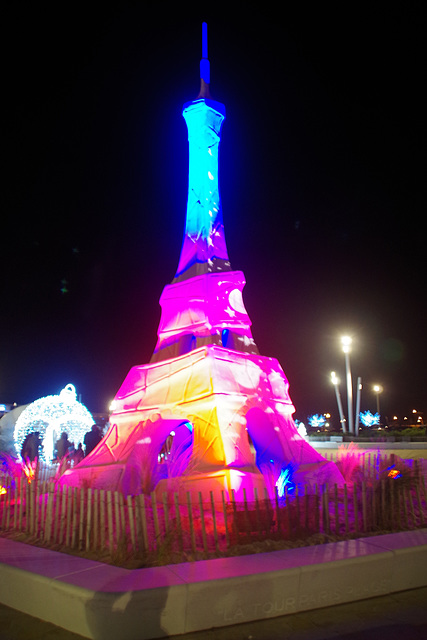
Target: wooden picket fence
172, 529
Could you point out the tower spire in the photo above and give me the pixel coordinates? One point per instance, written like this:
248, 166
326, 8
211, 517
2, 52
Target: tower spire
203, 249
205, 70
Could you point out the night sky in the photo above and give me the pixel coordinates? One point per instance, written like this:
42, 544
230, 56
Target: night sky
321, 181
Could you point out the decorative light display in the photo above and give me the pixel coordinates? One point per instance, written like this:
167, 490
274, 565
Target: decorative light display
50, 416
393, 472
369, 419
302, 429
29, 469
284, 480
229, 406
317, 421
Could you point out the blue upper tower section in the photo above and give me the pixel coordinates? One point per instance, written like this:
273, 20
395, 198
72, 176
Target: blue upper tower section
204, 249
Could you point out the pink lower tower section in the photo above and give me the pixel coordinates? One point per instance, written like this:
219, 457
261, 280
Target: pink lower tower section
208, 413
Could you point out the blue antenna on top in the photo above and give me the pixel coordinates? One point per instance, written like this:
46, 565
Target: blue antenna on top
205, 72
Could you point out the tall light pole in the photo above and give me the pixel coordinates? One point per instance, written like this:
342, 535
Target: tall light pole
335, 382
358, 392
346, 347
377, 388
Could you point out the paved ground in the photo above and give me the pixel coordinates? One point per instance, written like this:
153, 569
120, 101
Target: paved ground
401, 616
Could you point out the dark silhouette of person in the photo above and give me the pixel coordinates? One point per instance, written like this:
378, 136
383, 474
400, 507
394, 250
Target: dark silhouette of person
63, 446
30, 446
92, 438
78, 454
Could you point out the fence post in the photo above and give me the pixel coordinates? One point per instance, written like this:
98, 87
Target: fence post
122, 516
202, 521
69, 493
102, 518
247, 523
131, 522
165, 511
143, 519
48, 528
326, 527
63, 514
155, 519
214, 522
420, 506
383, 505
16, 509
27, 508
317, 506
364, 510
346, 508
88, 518
405, 508
37, 510
337, 516
82, 517
95, 537
411, 508
110, 521
4, 484
33, 506
276, 499
306, 508
297, 499
57, 503
7, 507
398, 509
178, 521
355, 508
373, 502
190, 519
118, 527
258, 519
43, 509
224, 510
288, 512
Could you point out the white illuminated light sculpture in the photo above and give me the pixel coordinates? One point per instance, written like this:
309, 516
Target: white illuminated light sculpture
346, 347
50, 416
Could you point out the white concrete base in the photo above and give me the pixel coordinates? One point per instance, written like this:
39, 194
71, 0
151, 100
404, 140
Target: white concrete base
100, 601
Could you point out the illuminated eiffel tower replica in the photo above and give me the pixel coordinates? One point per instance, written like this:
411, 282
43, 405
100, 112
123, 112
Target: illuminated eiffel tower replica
208, 412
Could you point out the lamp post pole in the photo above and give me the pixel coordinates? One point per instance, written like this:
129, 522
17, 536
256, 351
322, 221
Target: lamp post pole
346, 347
377, 388
359, 390
335, 382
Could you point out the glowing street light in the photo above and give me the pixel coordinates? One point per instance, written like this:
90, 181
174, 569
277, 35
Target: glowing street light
335, 381
346, 347
377, 389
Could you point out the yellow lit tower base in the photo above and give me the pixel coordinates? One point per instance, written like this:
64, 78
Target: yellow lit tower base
208, 413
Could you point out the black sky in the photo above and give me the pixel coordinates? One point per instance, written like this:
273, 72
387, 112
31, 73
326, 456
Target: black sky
321, 183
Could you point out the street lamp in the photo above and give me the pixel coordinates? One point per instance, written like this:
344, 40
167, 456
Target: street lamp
377, 388
346, 347
359, 391
335, 382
